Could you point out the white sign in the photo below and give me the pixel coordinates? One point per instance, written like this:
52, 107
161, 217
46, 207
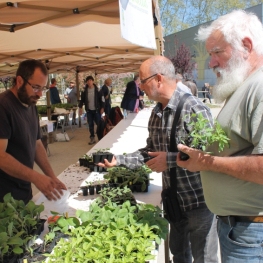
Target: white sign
137, 22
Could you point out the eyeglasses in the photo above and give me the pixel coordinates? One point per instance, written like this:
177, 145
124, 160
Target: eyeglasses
36, 88
143, 81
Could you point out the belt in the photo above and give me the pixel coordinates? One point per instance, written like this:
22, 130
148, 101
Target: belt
232, 220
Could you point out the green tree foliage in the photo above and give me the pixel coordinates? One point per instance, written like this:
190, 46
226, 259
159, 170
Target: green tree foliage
177, 15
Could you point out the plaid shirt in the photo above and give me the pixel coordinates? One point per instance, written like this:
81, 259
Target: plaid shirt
189, 187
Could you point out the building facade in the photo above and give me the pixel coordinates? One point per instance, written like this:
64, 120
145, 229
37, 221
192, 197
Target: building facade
202, 73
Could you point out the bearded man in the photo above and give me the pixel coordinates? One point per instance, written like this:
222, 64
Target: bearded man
20, 142
232, 180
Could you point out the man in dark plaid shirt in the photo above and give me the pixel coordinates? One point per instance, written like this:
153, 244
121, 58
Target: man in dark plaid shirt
159, 84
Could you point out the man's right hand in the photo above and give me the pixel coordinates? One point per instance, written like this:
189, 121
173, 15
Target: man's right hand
52, 189
108, 164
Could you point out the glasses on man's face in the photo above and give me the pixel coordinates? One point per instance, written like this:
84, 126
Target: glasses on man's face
143, 81
36, 88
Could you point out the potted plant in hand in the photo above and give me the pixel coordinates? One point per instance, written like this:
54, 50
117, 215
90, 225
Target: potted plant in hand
99, 156
201, 135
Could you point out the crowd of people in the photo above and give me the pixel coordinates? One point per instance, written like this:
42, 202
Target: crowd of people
223, 188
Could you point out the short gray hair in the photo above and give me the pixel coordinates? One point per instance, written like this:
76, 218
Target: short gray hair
162, 65
235, 26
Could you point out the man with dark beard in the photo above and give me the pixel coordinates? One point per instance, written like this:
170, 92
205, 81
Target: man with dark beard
233, 179
20, 143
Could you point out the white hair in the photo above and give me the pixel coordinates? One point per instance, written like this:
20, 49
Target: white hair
236, 26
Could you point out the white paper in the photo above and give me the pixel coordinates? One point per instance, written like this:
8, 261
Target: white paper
137, 22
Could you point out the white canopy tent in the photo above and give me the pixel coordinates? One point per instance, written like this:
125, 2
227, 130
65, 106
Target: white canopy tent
82, 35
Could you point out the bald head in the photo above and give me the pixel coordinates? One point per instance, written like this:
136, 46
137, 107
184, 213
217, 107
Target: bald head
158, 79
160, 64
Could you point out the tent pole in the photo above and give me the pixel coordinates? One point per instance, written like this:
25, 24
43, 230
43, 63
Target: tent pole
77, 86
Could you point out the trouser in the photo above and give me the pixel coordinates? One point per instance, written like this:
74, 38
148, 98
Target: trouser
194, 237
242, 243
92, 116
107, 109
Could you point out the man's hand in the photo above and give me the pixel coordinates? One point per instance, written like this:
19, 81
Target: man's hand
108, 164
198, 160
50, 187
158, 163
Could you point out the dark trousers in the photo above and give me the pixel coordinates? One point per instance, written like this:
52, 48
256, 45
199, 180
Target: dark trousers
92, 116
107, 109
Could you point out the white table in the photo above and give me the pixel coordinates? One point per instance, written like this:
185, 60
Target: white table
127, 136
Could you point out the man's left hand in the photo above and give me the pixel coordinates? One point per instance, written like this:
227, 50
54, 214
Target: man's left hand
198, 160
158, 162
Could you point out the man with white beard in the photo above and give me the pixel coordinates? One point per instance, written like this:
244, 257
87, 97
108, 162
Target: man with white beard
233, 179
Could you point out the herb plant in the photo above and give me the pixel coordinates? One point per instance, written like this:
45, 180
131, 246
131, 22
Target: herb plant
112, 233
125, 176
201, 135
18, 222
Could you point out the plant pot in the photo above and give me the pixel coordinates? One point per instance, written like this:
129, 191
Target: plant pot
11, 259
84, 190
96, 157
183, 156
146, 189
40, 227
81, 161
98, 188
120, 180
91, 190
138, 188
109, 157
131, 187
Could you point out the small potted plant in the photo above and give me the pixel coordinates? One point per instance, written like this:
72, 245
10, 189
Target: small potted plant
86, 161
91, 187
99, 156
201, 135
130, 177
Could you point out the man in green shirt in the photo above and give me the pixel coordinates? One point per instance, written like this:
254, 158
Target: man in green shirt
232, 179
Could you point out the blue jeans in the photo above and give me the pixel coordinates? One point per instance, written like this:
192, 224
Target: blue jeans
242, 243
194, 237
93, 116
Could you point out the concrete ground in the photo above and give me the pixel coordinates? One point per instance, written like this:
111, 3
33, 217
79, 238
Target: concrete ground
62, 154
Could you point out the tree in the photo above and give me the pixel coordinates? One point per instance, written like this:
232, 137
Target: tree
182, 61
7, 82
177, 15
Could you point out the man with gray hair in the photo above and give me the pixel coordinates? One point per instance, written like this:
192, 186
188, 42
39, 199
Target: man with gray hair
233, 179
179, 78
194, 236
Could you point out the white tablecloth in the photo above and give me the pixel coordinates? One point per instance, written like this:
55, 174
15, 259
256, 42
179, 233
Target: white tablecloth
127, 136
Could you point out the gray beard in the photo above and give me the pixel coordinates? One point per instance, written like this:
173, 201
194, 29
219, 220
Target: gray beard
231, 78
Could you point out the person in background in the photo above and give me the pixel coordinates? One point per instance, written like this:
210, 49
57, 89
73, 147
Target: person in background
54, 95
130, 100
72, 98
192, 86
233, 179
206, 92
54, 98
106, 91
20, 142
141, 101
195, 235
94, 103
179, 78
